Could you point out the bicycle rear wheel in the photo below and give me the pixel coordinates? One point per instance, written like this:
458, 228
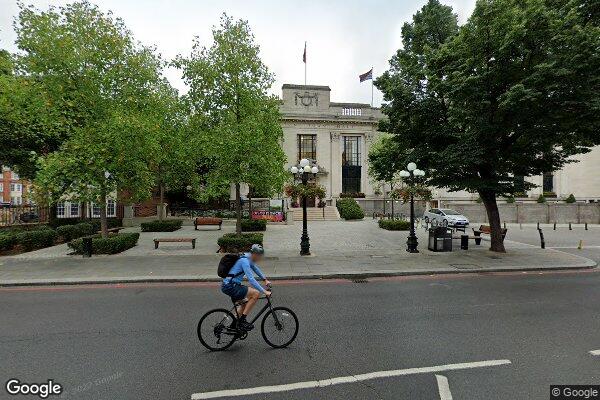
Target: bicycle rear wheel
214, 329
279, 327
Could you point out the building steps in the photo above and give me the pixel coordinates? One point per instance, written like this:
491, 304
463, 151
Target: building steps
316, 214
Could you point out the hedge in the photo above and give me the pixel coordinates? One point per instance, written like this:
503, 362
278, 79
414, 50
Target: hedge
394, 224
7, 240
349, 209
36, 239
114, 243
254, 225
70, 232
111, 222
168, 225
233, 243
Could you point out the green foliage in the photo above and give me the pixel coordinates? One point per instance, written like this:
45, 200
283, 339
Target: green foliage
394, 224
95, 222
168, 225
570, 199
36, 239
254, 225
541, 199
510, 200
349, 209
297, 190
235, 120
387, 157
70, 232
114, 243
7, 240
511, 93
234, 243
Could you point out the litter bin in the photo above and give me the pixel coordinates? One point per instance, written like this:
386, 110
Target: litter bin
87, 246
440, 239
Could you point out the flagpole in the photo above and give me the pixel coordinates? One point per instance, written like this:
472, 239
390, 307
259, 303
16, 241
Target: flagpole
372, 78
305, 60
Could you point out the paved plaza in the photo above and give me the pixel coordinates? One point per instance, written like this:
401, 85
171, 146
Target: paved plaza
339, 248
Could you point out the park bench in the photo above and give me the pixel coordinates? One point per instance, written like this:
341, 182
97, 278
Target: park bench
487, 230
207, 221
175, 240
111, 230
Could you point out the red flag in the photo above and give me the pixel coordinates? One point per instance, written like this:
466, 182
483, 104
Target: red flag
304, 55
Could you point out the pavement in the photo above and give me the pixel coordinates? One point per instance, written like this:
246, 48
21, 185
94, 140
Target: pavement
339, 249
501, 336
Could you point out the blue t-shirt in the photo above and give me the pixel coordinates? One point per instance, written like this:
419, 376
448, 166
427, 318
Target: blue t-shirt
245, 265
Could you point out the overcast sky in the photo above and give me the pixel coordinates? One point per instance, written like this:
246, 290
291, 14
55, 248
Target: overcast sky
345, 37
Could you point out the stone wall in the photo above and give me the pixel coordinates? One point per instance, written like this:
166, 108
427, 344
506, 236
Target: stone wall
371, 206
577, 213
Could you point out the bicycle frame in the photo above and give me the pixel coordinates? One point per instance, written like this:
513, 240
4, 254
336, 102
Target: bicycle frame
269, 305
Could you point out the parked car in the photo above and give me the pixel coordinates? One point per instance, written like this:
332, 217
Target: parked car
29, 217
445, 217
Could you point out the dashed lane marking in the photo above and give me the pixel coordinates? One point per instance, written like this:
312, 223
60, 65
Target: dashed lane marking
443, 387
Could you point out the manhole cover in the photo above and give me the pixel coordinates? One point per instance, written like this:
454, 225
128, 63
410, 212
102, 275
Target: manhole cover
465, 266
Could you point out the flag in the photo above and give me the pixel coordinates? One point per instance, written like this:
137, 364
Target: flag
366, 76
304, 55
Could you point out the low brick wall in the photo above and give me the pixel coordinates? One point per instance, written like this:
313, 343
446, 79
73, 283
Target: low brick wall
577, 213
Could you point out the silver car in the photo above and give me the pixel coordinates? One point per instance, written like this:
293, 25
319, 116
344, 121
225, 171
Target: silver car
445, 217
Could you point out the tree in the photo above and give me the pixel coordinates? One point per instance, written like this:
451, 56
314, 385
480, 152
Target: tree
104, 85
28, 127
386, 160
238, 121
514, 92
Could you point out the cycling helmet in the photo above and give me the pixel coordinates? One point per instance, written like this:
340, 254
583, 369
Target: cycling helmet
257, 249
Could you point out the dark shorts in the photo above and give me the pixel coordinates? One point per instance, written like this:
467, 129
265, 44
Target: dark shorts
234, 290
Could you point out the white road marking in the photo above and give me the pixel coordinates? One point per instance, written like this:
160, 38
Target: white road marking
346, 379
443, 387
595, 352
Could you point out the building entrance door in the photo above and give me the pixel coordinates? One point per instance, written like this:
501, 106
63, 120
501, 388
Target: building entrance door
351, 178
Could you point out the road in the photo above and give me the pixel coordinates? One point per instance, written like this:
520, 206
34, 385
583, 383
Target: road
138, 341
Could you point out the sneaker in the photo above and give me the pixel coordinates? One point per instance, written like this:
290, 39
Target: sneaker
245, 325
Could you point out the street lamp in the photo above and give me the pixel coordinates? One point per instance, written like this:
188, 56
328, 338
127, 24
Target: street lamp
302, 172
412, 173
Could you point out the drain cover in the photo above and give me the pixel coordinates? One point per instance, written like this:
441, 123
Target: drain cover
359, 281
465, 266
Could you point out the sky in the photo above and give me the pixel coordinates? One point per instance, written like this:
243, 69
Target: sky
344, 37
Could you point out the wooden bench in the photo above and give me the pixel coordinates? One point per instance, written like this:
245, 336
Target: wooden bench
111, 230
207, 221
175, 240
487, 230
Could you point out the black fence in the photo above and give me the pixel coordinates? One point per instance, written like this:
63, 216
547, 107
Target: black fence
11, 215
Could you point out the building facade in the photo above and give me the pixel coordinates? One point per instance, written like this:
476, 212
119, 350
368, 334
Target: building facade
13, 189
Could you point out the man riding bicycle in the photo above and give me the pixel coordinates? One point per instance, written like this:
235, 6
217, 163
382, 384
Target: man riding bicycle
232, 284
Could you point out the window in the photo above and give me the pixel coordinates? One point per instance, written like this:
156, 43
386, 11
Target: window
15, 176
19, 187
307, 147
95, 211
60, 210
548, 183
19, 200
12, 187
351, 111
74, 210
111, 208
351, 154
1, 187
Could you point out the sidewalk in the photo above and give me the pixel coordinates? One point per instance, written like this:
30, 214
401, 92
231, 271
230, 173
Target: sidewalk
340, 249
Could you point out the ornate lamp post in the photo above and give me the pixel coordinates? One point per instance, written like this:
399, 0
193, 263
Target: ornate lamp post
412, 174
302, 172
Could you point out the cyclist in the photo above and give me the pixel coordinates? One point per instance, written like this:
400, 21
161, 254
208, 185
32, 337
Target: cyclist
232, 284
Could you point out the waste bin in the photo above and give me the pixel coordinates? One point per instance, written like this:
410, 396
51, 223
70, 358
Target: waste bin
440, 239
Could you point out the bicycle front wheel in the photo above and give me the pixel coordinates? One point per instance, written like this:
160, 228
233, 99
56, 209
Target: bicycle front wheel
279, 327
215, 329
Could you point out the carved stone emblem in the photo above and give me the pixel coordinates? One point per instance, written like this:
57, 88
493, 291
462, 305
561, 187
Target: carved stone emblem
306, 99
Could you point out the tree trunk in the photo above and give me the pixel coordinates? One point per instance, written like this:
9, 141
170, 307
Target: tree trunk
103, 220
52, 217
238, 209
161, 213
491, 207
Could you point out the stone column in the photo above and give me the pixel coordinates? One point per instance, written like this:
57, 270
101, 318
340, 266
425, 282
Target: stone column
364, 178
335, 172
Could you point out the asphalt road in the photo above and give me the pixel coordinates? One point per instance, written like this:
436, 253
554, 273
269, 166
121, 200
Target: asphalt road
138, 342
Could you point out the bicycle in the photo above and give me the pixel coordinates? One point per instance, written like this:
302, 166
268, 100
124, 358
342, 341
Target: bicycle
217, 329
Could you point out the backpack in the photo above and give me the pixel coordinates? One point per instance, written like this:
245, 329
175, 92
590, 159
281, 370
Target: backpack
227, 262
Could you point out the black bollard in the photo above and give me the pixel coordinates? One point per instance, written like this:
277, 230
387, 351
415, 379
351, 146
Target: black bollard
586, 226
570, 227
542, 242
87, 246
555, 225
464, 242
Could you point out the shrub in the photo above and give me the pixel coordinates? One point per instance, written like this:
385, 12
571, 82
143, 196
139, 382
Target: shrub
349, 209
352, 195
168, 225
70, 232
510, 200
7, 240
115, 243
36, 239
111, 222
541, 199
254, 225
394, 224
570, 199
233, 243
